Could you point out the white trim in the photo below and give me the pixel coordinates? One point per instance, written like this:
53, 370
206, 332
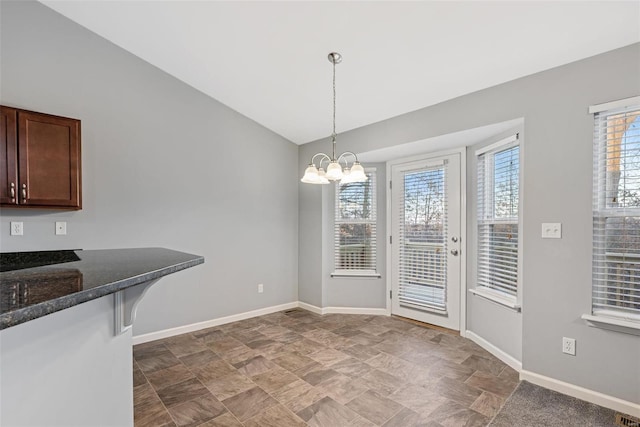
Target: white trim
343, 310
463, 242
494, 296
612, 324
388, 229
356, 273
505, 143
462, 151
521, 213
309, 307
424, 157
578, 392
500, 354
355, 310
621, 103
166, 333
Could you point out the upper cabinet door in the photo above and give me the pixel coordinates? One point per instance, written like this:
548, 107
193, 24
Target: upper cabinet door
49, 161
8, 156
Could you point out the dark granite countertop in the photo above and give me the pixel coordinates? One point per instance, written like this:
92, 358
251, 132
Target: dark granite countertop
34, 284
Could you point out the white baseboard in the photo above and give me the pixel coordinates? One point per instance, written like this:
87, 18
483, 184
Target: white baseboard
355, 310
166, 333
582, 393
343, 310
506, 358
309, 307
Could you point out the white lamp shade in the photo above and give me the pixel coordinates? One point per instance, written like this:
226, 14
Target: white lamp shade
346, 176
334, 171
310, 175
357, 173
322, 177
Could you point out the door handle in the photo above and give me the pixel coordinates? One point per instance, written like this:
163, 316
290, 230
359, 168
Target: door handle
454, 252
13, 191
24, 193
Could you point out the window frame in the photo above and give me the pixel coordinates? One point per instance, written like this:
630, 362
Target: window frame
607, 317
337, 221
508, 300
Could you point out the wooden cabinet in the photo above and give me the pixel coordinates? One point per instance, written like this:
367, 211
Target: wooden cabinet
40, 160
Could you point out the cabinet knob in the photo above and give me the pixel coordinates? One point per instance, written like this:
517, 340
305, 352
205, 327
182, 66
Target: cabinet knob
12, 190
24, 193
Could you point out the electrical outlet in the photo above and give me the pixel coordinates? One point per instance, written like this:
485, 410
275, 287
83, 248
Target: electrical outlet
61, 228
260, 288
17, 228
569, 346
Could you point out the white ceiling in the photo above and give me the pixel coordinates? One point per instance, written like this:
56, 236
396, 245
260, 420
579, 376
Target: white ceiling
268, 60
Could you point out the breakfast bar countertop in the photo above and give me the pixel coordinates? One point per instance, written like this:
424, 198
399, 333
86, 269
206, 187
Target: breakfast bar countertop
34, 284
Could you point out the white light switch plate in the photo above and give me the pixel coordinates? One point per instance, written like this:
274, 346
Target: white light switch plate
551, 230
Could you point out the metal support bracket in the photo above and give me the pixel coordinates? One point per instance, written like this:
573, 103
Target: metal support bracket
126, 305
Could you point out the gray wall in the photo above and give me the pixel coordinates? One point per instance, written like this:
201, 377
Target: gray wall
557, 188
163, 165
499, 325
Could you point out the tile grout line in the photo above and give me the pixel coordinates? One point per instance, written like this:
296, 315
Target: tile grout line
156, 393
249, 378
221, 402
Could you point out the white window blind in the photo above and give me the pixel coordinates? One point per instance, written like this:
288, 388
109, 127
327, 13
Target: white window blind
498, 218
616, 213
422, 280
355, 227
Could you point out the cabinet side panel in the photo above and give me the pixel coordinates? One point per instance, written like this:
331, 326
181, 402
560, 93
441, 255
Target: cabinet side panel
8, 156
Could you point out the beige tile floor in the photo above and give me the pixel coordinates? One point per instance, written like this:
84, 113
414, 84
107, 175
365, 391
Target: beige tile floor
296, 368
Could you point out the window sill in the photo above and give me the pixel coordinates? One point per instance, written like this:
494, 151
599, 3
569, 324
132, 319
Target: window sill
613, 323
357, 274
496, 297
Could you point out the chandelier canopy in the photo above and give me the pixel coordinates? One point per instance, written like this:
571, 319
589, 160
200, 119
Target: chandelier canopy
351, 172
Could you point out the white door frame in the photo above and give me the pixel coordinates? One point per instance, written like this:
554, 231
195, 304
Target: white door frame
463, 226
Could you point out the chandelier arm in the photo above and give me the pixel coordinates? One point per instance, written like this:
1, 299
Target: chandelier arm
324, 157
343, 155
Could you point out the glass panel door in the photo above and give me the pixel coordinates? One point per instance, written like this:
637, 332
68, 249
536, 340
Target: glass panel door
426, 240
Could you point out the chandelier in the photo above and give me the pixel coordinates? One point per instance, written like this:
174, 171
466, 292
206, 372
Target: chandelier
352, 172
